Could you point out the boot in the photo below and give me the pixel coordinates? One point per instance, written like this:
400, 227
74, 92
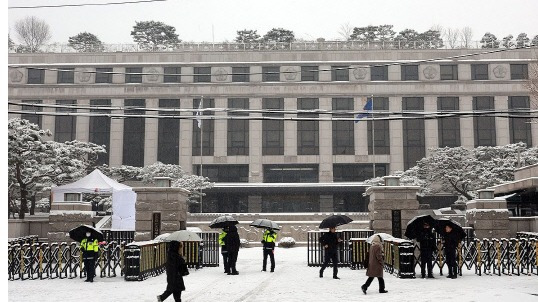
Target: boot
321, 273
363, 289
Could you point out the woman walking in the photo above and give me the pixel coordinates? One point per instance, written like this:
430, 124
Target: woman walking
176, 268
375, 265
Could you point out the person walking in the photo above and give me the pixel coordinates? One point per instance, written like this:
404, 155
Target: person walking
375, 265
330, 241
268, 241
89, 247
426, 238
224, 249
451, 244
232, 244
176, 268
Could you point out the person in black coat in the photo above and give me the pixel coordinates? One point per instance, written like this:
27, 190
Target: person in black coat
176, 268
426, 238
451, 244
330, 241
232, 244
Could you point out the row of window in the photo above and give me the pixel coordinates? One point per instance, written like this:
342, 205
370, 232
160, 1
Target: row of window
273, 131
409, 72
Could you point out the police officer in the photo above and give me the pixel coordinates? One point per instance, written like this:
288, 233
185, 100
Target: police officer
224, 249
426, 238
268, 241
89, 247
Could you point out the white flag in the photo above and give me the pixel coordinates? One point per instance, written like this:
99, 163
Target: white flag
198, 114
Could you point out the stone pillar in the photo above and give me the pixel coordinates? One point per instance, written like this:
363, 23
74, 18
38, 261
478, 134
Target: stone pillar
116, 136
255, 144
396, 136
254, 204
502, 125
488, 216
185, 137
325, 144
159, 210
384, 200
151, 133
83, 122
431, 126
65, 216
466, 124
290, 128
221, 129
49, 121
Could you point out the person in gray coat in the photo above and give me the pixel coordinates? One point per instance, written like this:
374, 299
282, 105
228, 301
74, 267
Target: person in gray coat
375, 265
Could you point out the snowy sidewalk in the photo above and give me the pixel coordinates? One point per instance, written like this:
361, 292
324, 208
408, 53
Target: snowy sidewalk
293, 280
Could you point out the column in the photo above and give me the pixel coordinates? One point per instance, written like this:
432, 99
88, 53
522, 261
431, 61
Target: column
396, 138
255, 74
48, 121
431, 126
502, 125
395, 73
116, 135
290, 128
185, 136
83, 122
466, 123
464, 72
325, 144
151, 135
534, 122
325, 74
221, 128
255, 143
361, 129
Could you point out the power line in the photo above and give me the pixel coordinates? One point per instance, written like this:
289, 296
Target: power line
85, 4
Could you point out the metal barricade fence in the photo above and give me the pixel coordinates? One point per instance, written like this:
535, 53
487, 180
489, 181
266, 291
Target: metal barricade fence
26, 239
316, 253
209, 249
119, 236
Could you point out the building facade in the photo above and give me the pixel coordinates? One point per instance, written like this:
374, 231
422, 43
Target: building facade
265, 155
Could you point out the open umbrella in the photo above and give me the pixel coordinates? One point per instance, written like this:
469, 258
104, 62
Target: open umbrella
183, 235
416, 225
384, 236
223, 221
441, 223
334, 221
265, 223
161, 237
79, 233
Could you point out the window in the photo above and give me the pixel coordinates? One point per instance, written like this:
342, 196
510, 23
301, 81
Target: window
202, 74
379, 73
484, 126
72, 197
224, 173
273, 130
519, 71
103, 75
520, 128
240, 74
414, 146
340, 73
479, 72
238, 137
30, 116
66, 75
65, 128
307, 131
289, 203
448, 127
100, 129
449, 72
409, 72
271, 73
291, 173
207, 130
357, 172
172, 75
309, 73
343, 131
134, 130
36, 76
379, 129
133, 75
168, 134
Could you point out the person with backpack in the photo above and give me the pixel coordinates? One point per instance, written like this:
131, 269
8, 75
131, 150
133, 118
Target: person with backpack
176, 268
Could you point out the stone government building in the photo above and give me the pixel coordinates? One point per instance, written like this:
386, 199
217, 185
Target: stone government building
276, 165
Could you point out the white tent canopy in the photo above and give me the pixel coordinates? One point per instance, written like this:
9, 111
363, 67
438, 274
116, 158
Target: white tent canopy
123, 197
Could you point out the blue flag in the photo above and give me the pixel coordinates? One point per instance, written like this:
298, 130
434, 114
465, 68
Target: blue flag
368, 107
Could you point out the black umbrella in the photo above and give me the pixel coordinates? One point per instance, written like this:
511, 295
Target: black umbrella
334, 221
265, 224
416, 225
79, 233
441, 223
223, 221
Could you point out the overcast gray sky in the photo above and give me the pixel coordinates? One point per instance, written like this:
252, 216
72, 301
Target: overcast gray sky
218, 20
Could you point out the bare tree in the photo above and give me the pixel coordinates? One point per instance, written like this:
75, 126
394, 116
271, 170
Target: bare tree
345, 30
466, 34
33, 32
452, 35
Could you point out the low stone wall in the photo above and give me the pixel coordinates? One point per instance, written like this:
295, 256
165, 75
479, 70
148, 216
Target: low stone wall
30, 225
523, 224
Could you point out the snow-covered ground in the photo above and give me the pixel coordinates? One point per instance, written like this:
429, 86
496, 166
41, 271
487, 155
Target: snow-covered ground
293, 280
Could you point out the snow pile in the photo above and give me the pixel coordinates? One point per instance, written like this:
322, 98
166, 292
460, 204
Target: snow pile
286, 242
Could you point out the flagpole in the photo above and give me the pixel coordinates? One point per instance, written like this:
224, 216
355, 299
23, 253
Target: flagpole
373, 134
201, 105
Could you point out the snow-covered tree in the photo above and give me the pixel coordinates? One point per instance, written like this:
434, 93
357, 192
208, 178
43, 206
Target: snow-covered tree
522, 40
507, 41
86, 42
489, 40
149, 34
534, 41
247, 36
407, 38
279, 35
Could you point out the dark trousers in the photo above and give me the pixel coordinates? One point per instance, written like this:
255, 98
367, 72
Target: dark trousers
330, 256
426, 260
167, 293
232, 260
225, 262
271, 256
89, 267
451, 262
381, 283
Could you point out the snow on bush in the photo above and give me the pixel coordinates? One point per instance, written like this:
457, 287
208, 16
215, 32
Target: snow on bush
243, 242
286, 242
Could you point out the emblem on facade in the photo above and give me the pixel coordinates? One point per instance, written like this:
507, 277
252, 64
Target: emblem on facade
84, 76
500, 71
360, 73
16, 75
221, 74
430, 72
153, 75
290, 73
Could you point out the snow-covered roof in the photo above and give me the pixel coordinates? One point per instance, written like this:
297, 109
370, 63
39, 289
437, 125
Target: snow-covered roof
95, 182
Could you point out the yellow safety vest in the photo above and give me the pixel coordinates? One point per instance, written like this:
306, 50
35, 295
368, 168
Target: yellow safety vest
221, 238
269, 236
92, 246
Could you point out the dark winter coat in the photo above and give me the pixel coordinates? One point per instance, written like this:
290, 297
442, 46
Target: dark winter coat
375, 262
232, 240
176, 268
426, 238
451, 240
330, 239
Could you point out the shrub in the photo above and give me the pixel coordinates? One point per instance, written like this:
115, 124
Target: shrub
243, 242
286, 242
